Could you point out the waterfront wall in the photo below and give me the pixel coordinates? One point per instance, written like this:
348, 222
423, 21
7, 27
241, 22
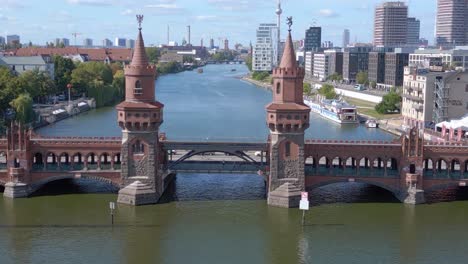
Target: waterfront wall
361, 96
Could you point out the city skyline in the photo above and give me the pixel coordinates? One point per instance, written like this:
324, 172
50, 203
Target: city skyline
217, 19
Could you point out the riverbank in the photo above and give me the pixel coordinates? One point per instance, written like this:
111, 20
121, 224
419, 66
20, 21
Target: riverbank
247, 78
51, 114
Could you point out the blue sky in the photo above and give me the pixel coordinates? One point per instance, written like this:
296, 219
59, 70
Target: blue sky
44, 20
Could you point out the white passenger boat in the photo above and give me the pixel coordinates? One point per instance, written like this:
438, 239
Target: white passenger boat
335, 110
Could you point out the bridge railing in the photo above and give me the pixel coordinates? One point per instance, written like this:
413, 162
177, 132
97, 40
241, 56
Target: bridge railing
445, 174
323, 170
71, 138
351, 142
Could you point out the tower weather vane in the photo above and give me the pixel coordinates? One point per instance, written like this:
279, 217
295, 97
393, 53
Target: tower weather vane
140, 20
290, 22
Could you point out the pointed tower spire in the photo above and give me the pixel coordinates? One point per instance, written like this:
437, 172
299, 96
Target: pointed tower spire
289, 56
139, 53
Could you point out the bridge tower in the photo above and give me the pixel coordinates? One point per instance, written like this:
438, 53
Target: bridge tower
287, 119
411, 191
18, 161
140, 117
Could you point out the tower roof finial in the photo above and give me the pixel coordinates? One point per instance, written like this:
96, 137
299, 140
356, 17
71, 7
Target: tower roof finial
140, 20
289, 56
289, 22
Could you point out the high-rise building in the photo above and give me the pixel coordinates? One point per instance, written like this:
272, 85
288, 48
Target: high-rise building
451, 24
12, 39
309, 64
120, 42
355, 60
346, 37
88, 42
212, 45
266, 49
2, 41
412, 36
327, 44
335, 62
391, 24
107, 43
321, 66
62, 41
395, 64
226, 44
313, 39
376, 72
130, 43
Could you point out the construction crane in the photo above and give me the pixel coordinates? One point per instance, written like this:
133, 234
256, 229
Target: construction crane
75, 34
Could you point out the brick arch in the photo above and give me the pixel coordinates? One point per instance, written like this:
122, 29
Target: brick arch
34, 187
394, 191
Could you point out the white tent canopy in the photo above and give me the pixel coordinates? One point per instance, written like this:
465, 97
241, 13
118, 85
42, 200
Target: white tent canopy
455, 124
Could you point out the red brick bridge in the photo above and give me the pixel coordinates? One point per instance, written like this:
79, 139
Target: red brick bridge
388, 165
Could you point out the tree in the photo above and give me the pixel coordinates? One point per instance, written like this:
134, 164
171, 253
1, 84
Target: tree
328, 91
153, 54
63, 71
37, 84
362, 78
335, 77
373, 85
307, 88
260, 75
169, 67
10, 87
115, 67
23, 107
391, 103
86, 74
248, 62
119, 85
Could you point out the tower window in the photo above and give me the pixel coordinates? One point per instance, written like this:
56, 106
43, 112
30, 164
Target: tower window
138, 89
138, 147
288, 149
278, 88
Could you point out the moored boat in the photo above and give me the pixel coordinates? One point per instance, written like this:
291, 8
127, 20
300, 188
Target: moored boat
371, 123
336, 110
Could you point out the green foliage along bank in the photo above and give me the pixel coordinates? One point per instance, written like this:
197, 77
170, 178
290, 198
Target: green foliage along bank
95, 79
328, 91
391, 103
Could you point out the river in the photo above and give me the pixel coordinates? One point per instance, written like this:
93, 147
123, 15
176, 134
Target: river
207, 218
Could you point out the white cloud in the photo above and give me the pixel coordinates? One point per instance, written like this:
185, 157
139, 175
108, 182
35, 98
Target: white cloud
91, 2
328, 13
205, 18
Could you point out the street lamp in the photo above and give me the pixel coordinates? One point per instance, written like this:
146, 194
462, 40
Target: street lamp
69, 86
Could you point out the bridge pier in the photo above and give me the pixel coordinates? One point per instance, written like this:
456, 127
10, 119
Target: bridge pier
16, 190
138, 193
412, 195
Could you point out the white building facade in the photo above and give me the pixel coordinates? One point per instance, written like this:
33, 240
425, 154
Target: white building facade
433, 96
265, 52
457, 57
321, 66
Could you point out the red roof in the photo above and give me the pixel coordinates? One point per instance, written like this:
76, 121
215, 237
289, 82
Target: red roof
98, 54
140, 105
287, 107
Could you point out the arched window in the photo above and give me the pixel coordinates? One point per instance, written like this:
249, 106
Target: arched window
138, 89
278, 88
288, 149
138, 147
